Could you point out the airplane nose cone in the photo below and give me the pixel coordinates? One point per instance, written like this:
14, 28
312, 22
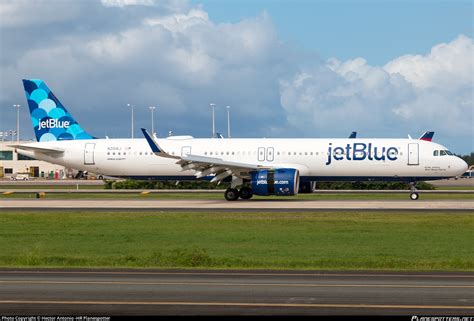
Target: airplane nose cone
462, 166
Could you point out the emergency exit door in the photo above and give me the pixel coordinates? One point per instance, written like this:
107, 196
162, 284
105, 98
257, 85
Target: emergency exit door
185, 151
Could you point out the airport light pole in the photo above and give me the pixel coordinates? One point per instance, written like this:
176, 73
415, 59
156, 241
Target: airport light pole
152, 108
17, 122
131, 106
213, 120
228, 121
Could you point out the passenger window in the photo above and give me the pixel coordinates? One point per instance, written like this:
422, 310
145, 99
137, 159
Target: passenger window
435, 153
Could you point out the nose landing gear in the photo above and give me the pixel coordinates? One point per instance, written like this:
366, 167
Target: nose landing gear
413, 195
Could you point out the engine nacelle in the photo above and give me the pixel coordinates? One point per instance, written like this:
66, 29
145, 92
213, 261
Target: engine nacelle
281, 181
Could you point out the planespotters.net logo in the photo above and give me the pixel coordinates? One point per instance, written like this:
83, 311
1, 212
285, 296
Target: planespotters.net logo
416, 318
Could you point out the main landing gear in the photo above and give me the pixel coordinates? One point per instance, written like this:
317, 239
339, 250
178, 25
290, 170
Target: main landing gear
233, 194
413, 195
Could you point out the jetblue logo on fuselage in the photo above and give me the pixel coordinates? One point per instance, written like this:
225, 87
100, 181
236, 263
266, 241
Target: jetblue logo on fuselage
361, 151
53, 123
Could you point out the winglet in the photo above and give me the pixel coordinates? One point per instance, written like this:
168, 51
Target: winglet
157, 150
427, 136
353, 135
153, 145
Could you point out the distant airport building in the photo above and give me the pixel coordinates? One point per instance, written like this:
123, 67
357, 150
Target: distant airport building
14, 165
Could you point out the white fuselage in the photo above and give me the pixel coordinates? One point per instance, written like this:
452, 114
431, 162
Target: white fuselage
316, 159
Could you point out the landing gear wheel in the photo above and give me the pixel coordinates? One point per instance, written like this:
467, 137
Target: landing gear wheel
245, 193
231, 194
414, 196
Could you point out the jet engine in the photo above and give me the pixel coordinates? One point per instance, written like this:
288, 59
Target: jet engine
279, 181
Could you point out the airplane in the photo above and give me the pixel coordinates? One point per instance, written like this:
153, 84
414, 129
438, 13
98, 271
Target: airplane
252, 166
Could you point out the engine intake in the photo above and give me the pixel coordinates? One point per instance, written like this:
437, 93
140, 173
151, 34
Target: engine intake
281, 181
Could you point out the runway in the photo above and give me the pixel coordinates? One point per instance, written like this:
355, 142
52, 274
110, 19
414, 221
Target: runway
252, 205
109, 292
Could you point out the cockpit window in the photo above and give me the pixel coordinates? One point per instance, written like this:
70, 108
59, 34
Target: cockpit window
435, 153
449, 153
442, 152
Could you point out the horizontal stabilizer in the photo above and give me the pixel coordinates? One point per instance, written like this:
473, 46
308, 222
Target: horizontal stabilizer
39, 149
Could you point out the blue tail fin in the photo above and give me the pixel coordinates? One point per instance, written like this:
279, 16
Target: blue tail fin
51, 120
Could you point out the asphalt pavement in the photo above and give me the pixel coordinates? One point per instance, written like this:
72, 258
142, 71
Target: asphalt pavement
157, 292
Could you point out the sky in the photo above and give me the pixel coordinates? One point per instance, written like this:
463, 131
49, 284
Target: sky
286, 68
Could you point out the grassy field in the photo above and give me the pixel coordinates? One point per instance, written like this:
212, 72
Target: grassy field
220, 196
454, 188
332, 241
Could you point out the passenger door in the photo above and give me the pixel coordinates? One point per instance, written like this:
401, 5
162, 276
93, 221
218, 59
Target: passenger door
413, 154
89, 154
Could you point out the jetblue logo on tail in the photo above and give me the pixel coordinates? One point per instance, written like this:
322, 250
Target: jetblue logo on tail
51, 121
361, 151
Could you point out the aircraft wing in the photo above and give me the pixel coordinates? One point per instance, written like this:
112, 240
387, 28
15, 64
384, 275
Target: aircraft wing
203, 165
39, 149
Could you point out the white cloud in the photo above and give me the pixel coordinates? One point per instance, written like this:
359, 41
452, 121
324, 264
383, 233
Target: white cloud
447, 67
124, 3
180, 22
410, 92
178, 60
101, 55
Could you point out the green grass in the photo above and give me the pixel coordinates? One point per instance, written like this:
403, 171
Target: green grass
219, 196
332, 241
454, 188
